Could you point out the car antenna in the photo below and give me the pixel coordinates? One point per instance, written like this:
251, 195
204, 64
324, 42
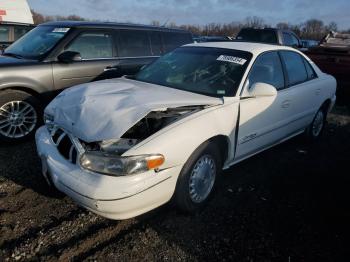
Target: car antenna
165, 22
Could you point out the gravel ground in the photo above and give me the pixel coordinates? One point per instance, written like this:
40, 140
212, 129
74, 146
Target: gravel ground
289, 203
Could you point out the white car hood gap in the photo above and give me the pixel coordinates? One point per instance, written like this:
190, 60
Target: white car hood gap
107, 109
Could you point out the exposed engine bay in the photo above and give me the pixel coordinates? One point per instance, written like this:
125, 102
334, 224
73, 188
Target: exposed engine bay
147, 126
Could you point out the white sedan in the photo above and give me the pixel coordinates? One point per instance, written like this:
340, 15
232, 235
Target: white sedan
122, 147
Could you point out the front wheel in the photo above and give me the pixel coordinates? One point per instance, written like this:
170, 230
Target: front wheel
19, 115
198, 178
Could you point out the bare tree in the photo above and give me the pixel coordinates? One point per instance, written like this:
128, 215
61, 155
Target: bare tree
254, 21
332, 26
39, 18
283, 25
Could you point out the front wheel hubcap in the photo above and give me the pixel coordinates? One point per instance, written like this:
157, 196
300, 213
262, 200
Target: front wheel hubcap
202, 179
17, 119
317, 125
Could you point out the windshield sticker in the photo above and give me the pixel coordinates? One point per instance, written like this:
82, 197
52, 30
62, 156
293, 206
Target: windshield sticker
221, 92
61, 30
232, 59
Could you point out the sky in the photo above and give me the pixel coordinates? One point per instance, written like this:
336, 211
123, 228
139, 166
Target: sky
200, 12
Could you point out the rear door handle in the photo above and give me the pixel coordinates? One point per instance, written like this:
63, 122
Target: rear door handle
285, 104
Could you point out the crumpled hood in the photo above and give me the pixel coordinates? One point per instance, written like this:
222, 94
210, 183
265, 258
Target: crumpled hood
107, 109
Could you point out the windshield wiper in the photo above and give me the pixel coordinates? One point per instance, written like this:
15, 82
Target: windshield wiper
13, 55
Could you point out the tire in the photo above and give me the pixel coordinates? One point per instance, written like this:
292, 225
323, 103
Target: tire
315, 129
20, 116
186, 198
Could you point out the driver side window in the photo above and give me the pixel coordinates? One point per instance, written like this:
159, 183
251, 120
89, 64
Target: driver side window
93, 45
267, 69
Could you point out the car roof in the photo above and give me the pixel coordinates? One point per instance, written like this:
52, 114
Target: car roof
254, 48
111, 25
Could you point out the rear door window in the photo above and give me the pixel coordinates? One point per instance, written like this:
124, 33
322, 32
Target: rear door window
267, 69
174, 40
133, 43
93, 45
295, 67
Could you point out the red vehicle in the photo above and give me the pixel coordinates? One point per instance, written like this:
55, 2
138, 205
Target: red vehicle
333, 57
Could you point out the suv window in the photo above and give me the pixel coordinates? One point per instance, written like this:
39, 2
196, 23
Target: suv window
93, 45
267, 69
295, 67
133, 43
174, 40
4, 34
295, 41
258, 35
290, 40
20, 31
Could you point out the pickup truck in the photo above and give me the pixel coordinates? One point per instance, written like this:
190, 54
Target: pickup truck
333, 57
269, 36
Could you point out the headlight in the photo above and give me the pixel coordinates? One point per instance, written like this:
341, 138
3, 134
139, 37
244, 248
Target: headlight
48, 121
109, 164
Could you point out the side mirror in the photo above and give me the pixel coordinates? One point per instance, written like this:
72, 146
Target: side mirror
69, 56
262, 89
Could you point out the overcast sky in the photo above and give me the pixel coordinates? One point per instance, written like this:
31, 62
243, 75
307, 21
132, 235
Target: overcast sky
200, 11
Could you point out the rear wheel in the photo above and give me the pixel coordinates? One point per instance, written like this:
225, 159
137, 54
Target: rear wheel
315, 129
20, 113
198, 178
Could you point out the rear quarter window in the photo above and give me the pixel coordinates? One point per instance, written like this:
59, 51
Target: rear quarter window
311, 74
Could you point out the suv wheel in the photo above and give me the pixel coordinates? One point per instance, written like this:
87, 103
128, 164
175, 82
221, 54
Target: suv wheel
198, 178
20, 113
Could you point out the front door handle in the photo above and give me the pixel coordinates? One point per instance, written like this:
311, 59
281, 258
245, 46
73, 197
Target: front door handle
285, 104
110, 68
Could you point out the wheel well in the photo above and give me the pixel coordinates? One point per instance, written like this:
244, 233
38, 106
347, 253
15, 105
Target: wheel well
223, 144
326, 104
24, 89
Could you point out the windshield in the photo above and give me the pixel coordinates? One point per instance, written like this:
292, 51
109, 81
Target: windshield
37, 42
209, 71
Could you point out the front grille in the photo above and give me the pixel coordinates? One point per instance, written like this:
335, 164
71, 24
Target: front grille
64, 145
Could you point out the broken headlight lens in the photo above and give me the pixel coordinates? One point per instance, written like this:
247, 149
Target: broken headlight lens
48, 121
109, 164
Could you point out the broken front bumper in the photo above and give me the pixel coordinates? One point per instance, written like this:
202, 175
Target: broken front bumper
108, 196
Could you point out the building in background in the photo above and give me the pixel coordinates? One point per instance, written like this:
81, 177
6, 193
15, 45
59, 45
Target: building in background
15, 20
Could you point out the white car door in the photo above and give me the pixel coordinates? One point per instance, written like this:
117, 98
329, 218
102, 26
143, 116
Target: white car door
263, 120
304, 87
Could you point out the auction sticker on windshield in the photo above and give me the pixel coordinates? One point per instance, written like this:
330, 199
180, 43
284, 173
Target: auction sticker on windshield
61, 30
232, 59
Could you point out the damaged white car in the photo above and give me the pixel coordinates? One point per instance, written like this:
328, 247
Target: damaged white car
122, 147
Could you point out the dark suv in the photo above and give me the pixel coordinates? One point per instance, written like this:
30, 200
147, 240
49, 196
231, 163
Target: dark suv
57, 55
269, 36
